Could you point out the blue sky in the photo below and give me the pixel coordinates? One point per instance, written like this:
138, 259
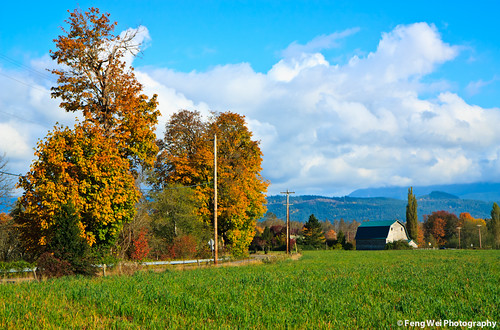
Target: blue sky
342, 94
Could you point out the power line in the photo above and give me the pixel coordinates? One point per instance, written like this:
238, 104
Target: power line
22, 119
22, 82
7, 173
27, 68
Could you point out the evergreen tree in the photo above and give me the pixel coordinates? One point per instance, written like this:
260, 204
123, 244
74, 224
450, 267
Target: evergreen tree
67, 242
313, 234
495, 225
411, 215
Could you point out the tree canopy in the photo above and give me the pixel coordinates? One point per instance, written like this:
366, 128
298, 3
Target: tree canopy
187, 157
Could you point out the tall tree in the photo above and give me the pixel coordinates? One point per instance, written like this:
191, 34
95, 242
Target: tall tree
411, 215
187, 155
93, 166
494, 225
94, 78
313, 234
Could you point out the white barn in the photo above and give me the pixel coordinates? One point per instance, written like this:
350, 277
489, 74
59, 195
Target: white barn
374, 235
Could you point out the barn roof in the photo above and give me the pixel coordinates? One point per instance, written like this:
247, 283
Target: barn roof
374, 229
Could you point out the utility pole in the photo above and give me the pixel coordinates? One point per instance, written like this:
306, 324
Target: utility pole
287, 192
459, 236
479, 229
216, 244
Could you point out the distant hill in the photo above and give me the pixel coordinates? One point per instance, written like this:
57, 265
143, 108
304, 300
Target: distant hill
374, 208
488, 192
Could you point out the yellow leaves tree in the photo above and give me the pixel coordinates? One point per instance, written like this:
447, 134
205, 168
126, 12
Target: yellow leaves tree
82, 167
93, 165
94, 78
186, 157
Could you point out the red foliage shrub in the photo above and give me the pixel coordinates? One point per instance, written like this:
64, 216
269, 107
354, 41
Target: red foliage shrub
183, 247
141, 246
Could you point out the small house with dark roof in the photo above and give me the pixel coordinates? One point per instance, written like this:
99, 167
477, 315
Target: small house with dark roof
374, 235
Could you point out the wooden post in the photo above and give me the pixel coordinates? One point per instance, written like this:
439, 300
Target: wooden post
216, 251
287, 192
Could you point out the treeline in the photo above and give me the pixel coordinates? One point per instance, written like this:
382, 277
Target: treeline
310, 235
446, 230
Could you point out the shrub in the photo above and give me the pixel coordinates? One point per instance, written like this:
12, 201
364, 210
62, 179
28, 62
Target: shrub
50, 266
398, 245
141, 246
183, 247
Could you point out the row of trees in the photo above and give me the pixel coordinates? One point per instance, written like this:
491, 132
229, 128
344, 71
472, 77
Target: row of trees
92, 173
444, 229
313, 234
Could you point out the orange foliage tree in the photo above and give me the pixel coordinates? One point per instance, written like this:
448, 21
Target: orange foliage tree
93, 166
442, 226
85, 168
186, 157
95, 79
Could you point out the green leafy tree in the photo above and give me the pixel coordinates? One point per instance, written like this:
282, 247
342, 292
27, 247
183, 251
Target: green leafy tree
494, 225
174, 214
411, 215
313, 233
66, 242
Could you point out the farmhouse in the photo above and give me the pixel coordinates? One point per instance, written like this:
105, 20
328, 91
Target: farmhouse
374, 235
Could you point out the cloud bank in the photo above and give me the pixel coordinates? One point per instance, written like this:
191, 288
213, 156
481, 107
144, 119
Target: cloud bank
328, 128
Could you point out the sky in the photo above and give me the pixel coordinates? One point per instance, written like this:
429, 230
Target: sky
342, 95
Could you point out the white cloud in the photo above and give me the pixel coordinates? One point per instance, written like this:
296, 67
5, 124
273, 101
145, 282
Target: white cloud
325, 128
333, 128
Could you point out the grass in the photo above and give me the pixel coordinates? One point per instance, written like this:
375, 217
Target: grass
324, 289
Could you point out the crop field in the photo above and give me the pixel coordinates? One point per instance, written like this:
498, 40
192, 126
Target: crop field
324, 289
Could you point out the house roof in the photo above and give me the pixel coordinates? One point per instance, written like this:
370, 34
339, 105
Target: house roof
375, 229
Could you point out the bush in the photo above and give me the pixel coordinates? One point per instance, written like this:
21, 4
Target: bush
50, 266
398, 245
183, 247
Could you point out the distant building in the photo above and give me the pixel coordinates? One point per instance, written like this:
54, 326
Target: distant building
374, 235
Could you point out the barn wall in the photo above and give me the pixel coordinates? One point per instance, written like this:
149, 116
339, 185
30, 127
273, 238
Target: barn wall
396, 233
370, 244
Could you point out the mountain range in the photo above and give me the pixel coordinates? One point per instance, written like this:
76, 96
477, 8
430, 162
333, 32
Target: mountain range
389, 203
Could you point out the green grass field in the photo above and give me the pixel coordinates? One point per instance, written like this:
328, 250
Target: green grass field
324, 289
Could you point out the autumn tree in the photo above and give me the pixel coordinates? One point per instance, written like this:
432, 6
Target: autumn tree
85, 168
94, 165
441, 226
94, 79
411, 215
313, 234
469, 234
187, 155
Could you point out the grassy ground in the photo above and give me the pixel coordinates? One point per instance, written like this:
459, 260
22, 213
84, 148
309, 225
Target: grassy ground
324, 289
